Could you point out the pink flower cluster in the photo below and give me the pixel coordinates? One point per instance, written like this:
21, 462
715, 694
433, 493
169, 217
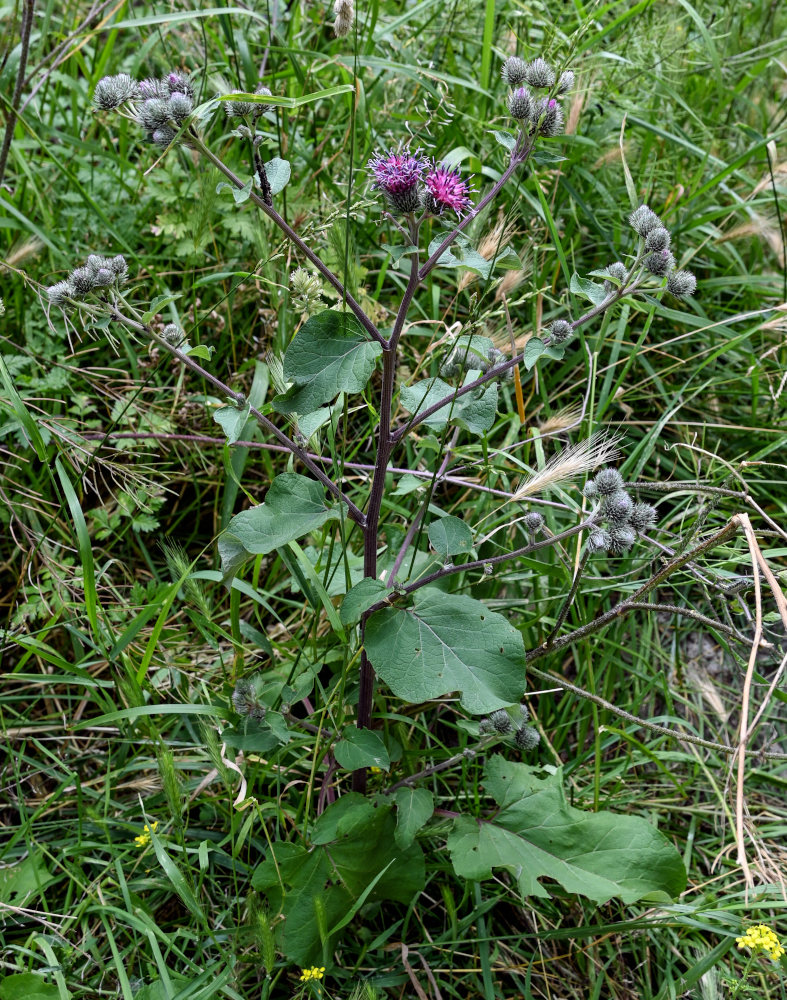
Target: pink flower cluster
411, 182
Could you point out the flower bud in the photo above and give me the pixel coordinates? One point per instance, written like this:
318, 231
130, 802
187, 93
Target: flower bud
657, 239
659, 263
163, 136
608, 481
617, 507
539, 73
260, 109
488, 569
619, 272
245, 700
514, 71
103, 277
520, 104
590, 490
642, 517
643, 220
524, 712
59, 293
94, 262
681, 284
560, 331
599, 540
119, 268
621, 539
527, 738
154, 114
152, 88
534, 522
501, 721
550, 116
180, 107
179, 83
565, 82
82, 282
173, 334
485, 726
112, 91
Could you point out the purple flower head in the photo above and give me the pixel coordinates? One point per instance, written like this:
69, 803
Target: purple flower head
446, 189
397, 173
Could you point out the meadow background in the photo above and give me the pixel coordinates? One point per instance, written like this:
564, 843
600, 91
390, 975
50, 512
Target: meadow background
693, 99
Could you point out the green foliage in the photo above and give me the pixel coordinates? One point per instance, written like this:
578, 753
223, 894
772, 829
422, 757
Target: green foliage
536, 835
330, 354
354, 860
444, 643
123, 486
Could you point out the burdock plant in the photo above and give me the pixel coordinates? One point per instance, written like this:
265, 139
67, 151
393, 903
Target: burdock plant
411, 639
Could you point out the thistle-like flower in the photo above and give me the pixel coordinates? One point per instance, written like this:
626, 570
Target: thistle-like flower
82, 282
608, 481
642, 516
398, 174
590, 490
599, 540
550, 118
113, 91
540, 74
501, 721
560, 331
618, 272
534, 522
179, 83
621, 539
59, 293
527, 738
657, 239
659, 263
446, 189
521, 104
245, 700
514, 71
565, 82
345, 15
617, 507
642, 221
681, 284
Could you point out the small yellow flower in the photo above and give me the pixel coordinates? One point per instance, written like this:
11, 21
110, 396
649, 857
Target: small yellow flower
314, 973
144, 838
761, 938
376, 770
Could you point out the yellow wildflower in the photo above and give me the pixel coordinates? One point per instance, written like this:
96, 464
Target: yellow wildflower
314, 973
144, 838
376, 770
761, 938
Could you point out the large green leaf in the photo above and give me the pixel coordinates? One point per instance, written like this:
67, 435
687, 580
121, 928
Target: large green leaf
537, 834
361, 748
414, 808
329, 354
444, 643
294, 506
474, 411
450, 536
315, 889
